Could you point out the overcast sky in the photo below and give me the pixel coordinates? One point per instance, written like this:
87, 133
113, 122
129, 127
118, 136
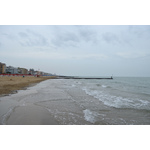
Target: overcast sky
78, 50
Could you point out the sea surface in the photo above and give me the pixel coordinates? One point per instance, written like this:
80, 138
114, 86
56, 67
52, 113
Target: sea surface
121, 92
127, 99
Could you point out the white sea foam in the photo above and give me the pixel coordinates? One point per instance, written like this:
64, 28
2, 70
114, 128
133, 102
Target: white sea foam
104, 86
5, 116
26, 92
118, 101
89, 115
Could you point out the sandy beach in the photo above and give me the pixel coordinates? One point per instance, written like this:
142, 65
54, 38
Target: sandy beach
10, 84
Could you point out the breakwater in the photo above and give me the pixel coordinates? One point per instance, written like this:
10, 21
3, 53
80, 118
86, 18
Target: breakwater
72, 77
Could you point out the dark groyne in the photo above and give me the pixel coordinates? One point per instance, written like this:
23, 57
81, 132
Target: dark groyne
71, 77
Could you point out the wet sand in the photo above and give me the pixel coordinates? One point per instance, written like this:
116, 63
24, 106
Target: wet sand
10, 84
43, 104
31, 115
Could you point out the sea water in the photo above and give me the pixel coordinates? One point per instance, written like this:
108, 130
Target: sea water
127, 99
120, 92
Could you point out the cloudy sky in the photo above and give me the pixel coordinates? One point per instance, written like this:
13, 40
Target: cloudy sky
78, 50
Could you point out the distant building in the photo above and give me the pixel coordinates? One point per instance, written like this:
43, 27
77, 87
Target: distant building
11, 70
31, 72
2, 68
22, 70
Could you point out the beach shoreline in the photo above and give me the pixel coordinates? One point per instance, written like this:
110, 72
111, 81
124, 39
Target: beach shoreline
70, 102
11, 84
46, 103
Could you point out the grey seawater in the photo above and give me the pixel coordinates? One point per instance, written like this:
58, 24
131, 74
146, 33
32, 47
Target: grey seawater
119, 101
128, 98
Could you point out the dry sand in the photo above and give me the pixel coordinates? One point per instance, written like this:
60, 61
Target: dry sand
10, 84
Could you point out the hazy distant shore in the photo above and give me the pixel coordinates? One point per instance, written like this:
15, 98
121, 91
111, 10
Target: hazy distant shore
10, 84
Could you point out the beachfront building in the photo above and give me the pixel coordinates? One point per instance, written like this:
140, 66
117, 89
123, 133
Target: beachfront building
22, 70
2, 68
45, 74
11, 70
41, 73
31, 72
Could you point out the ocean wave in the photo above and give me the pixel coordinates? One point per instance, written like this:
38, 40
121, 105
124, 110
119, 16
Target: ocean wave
118, 101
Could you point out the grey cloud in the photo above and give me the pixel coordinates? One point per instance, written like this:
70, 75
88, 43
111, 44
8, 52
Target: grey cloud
135, 30
68, 38
22, 34
32, 39
140, 31
34, 42
31, 32
9, 36
127, 42
110, 38
5, 34
88, 35
74, 36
